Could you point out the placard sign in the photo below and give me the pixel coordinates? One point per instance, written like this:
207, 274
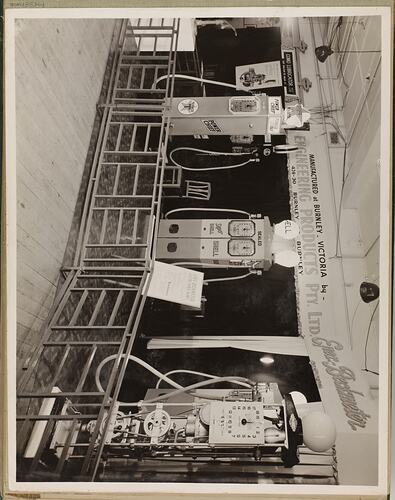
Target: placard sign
343, 388
176, 284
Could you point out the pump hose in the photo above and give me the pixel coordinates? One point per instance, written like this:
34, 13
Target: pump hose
213, 153
179, 389
193, 372
202, 209
201, 80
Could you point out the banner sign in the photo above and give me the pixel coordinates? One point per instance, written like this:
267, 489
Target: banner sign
289, 72
343, 388
259, 76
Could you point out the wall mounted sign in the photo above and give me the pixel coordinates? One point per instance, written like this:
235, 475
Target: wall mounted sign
289, 73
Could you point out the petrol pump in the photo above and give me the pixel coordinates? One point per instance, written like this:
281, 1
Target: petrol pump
256, 114
252, 243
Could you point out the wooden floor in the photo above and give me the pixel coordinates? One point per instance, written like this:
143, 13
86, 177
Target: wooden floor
60, 65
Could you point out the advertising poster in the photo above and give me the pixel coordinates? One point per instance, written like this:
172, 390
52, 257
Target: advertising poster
259, 76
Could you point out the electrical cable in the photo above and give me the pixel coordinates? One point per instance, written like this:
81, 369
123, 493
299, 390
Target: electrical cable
201, 80
340, 206
353, 318
367, 340
370, 371
335, 27
340, 202
341, 58
213, 153
194, 209
193, 372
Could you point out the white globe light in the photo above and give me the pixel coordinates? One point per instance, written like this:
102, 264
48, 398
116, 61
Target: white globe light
298, 397
319, 431
286, 258
266, 360
287, 229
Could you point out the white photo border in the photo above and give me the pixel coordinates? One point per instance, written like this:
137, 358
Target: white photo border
385, 250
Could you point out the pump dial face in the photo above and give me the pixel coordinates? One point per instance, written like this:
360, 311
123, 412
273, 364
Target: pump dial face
241, 228
248, 104
241, 247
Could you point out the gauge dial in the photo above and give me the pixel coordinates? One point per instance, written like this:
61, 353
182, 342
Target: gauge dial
241, 247
237, 423
244, 104
241, 228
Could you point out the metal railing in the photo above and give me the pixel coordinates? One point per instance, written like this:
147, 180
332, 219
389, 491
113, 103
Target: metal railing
97, 311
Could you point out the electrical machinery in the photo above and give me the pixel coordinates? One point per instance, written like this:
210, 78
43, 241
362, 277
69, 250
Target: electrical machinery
210, 424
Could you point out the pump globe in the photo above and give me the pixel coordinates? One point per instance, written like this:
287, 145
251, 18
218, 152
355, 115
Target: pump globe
286, 258
287, 229
319, 431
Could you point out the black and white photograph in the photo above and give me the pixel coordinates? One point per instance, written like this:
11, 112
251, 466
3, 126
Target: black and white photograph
199, 234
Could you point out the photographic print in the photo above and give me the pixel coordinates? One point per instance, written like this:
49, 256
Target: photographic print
199, 234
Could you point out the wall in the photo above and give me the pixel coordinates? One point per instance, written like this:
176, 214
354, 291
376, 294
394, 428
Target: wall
359, 77
350, 89
360, 84
59, 71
